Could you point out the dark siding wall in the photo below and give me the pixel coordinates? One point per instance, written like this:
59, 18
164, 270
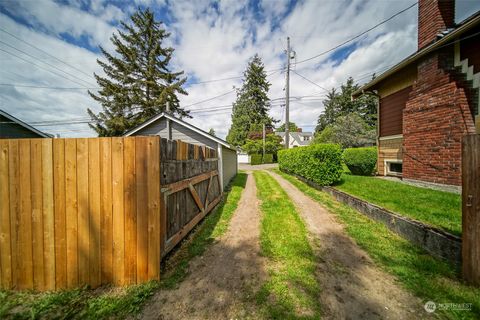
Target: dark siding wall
391, 112
9, 130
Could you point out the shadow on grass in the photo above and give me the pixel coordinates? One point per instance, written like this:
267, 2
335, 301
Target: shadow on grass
427, 277
108, 302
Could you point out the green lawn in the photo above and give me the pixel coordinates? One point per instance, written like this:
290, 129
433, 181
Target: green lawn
291, 291
115, 303
436, 208
425, 276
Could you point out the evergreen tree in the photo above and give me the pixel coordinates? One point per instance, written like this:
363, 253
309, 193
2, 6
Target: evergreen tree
212, 132
138, 80
340, 103
292, 126
250, 110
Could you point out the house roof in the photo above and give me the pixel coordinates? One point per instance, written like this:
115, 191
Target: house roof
445, 39
297, 136
24, 124
181, 122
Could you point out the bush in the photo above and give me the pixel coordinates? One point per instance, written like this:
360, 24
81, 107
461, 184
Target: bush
255, 159
268, 158
320, 163
361, 161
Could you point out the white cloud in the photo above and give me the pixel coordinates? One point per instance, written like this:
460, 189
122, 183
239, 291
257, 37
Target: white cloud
57, 19
212, 42
36, 104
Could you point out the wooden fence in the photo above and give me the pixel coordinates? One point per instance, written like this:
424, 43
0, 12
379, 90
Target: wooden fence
471, 209
91, 211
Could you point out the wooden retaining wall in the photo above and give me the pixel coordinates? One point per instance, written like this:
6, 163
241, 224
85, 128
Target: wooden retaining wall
90, 211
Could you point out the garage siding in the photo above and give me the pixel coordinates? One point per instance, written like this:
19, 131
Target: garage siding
179, 132
229, 165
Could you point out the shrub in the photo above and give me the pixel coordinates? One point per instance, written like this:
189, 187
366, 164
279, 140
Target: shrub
320, 163
255, 159
361, 161
268, 158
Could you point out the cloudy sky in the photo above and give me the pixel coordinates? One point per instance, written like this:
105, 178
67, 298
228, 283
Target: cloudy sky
48, 52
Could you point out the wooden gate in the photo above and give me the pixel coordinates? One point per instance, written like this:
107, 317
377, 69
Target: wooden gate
190, 188
471, 208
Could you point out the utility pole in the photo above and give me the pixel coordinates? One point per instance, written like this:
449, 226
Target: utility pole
287, 98
263, 158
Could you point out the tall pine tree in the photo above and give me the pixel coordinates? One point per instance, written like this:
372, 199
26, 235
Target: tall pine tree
138, 80
340, 103
250, 110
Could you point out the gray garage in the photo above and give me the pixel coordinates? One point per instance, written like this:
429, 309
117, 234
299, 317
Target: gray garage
168, 126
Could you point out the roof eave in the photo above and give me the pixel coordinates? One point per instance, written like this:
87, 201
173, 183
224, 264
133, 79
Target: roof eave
188, 125
26, 125
412, 58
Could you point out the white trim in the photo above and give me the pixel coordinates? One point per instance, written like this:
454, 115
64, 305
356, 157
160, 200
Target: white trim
386, 168
220, 164
25, 125
181, 122
396, 136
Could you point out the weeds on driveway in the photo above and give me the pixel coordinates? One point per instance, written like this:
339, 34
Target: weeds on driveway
425, 276
292, 290
110, 302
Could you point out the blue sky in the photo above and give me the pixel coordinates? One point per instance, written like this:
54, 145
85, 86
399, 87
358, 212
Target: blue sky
213, 40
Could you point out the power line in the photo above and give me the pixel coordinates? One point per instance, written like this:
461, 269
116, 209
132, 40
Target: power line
32, 86
41, 67
357, 36
48, 64
210, 99
47, 87
308, 80
45, 52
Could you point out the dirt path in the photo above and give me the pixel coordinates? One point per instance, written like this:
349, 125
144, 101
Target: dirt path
352, 286
220, 279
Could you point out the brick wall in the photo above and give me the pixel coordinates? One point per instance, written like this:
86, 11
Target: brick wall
435, 119
434, 16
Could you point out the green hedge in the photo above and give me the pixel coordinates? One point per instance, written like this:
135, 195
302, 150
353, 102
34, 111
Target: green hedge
361, 161
268, 158
255, 159
320, 163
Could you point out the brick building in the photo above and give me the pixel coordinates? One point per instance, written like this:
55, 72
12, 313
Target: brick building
430, 100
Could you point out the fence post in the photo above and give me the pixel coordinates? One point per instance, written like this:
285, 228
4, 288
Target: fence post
471, 209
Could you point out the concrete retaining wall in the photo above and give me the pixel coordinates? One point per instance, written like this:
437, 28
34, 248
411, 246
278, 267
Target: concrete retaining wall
435, 241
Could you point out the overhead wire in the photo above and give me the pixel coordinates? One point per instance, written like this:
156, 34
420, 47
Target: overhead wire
356, 36
41, 67
48, 64
45, 52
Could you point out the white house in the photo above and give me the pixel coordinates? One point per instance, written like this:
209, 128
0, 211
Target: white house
297, 139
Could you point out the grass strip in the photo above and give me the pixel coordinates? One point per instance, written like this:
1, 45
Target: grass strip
436, 208
425, 276
109, 302
291, 291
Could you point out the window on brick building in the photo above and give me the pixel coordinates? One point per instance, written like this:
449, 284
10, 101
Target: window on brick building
394, 168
